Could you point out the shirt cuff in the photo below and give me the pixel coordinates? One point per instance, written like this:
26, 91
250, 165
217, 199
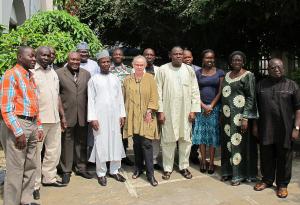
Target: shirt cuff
40, 127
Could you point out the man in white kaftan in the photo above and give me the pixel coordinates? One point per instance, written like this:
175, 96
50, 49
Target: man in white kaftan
179, 99
106, 112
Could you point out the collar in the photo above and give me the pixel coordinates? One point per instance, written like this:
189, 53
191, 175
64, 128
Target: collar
73, 71
121, 65
22, 70
38, 66
277, 80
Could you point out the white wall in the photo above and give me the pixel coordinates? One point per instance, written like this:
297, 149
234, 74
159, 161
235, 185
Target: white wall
15, 12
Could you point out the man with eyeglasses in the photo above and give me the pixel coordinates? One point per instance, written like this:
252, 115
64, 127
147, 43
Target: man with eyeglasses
278, 125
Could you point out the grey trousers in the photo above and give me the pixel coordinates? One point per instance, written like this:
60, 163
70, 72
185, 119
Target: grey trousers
20, 166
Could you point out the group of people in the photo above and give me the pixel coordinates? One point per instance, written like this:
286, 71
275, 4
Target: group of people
86, 111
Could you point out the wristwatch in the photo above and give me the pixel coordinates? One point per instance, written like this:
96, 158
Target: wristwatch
297, 128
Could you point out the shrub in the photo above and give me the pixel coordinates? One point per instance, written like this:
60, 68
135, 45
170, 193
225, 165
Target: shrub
52, 28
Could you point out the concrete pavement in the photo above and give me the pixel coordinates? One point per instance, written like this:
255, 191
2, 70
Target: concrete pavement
201, 189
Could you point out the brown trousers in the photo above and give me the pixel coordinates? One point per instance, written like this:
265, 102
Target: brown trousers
20, 166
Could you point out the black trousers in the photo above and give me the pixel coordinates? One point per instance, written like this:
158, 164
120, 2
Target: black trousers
143, 151
194, 155
74, 149
276, 163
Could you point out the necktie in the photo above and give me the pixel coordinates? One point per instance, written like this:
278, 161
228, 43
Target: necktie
75, 77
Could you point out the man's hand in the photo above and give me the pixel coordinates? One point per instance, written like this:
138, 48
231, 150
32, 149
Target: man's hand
244, 125
148, 117
21, 142
295, 134
192, 116
40, 135
63, 124
95, 125
161, 118
122, 121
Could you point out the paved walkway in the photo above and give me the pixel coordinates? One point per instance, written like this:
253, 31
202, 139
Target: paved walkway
201, 189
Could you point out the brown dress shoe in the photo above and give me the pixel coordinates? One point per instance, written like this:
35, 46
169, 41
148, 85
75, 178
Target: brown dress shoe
261, 186
282, 192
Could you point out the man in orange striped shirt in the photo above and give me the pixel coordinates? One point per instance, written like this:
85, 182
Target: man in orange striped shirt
20, 112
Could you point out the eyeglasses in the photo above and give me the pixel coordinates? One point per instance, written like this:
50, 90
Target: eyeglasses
275, 66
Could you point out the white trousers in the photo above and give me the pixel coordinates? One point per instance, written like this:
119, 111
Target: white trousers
168, 152
52, 142
101, 168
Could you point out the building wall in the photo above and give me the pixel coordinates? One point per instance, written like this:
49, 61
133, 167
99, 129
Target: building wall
15, 12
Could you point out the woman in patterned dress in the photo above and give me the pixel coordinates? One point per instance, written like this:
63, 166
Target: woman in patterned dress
238, 147
206, 127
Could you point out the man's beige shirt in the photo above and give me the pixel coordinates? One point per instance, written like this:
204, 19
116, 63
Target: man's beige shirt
48, 92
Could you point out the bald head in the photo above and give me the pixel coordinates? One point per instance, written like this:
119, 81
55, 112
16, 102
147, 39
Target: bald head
275, 68
43, 56
187, 57
26, 57
176, 56
117, 56
149, 54
73, 60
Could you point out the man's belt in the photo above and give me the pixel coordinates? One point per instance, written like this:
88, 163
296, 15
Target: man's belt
27, 118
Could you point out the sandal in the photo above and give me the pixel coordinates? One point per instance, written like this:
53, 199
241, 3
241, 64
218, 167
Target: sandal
282, 192
136, 174
261, 186
186, 173
166, 175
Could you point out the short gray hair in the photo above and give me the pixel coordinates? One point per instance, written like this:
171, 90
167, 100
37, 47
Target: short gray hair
139, 57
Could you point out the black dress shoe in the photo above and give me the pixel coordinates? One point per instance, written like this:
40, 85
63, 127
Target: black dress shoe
84, 175
36, 194
211, 169
102, 181
166, 175
152, 181
118, 177
136, 174
65, 179
55, 184
127, 161
202, 167
157, 167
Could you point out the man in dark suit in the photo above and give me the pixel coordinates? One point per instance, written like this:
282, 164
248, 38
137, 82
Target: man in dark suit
73, 92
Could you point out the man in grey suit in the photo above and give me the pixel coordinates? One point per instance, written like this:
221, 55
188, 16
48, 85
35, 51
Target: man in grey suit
73, 92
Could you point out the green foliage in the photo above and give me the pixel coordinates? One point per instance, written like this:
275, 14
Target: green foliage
54, 28
254, 26
295, 75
